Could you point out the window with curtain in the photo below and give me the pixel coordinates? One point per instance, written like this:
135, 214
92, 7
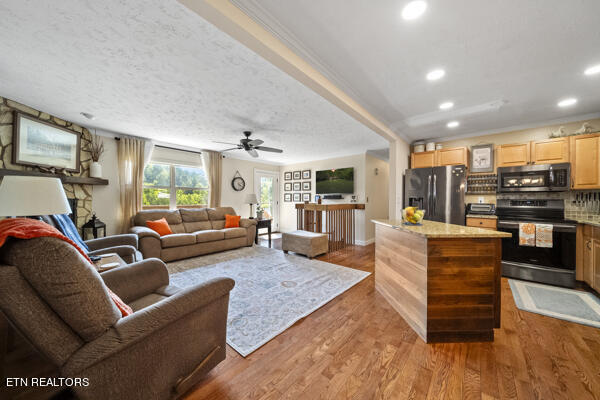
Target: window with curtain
173, 179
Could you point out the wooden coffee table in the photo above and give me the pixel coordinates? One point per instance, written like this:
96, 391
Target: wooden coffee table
109, 261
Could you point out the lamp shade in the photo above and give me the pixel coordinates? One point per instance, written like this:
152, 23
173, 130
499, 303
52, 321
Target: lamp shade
251, 199
23, 196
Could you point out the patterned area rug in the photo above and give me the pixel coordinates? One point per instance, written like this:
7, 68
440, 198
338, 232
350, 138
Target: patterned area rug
570, 305
272, 290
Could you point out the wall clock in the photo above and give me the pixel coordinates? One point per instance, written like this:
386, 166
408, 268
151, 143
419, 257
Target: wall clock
238, 183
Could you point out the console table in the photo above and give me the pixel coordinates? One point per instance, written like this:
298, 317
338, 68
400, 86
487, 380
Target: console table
339, 221
263, 223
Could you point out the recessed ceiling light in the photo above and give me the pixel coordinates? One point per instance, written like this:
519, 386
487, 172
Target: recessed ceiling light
593, 70
414, 10
436, 74
452, 124
447, 105
567, 102
88, 115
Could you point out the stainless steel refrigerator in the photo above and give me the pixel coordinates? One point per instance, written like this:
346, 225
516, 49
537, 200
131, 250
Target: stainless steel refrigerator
440, 191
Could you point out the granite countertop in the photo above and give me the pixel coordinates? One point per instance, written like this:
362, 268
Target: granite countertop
485, 216
588, 222
432, 229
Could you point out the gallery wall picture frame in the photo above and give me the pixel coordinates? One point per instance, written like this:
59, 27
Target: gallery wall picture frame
297, 197
287, 197
306, 174
287, 176
482, 158
306, 186
287, 187
42, 144
305, 196
297, 175
297, 186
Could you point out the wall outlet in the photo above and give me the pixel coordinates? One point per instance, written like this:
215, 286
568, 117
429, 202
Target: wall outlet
480, 199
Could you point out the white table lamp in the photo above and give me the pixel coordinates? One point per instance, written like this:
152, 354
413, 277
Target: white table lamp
251, 199
25, 196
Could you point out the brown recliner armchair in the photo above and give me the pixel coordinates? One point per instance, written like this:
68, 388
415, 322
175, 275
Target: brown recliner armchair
60, 304
125, 245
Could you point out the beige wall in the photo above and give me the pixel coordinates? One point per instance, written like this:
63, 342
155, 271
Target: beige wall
106, 201
376, 193
230, 197
399, 157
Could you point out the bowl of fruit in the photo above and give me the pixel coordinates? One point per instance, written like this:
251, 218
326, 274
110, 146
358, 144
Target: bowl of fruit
412, 216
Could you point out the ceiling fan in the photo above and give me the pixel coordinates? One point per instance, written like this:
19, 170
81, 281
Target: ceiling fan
250, 145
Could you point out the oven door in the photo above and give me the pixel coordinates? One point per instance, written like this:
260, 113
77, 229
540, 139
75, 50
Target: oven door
555, 265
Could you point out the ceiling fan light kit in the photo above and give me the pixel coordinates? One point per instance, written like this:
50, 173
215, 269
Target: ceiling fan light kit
250, 145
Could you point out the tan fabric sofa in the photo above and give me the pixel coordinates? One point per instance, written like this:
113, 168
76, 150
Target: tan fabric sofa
195, 232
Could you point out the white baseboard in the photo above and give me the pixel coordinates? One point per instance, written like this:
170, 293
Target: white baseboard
365, 242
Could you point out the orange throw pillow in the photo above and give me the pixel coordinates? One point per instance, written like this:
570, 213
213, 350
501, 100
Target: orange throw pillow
232, 221
160, 226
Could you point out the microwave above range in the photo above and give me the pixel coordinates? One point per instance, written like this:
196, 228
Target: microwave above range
535, 178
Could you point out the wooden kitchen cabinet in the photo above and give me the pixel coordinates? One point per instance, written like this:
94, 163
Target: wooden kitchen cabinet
589, 252
423, 159
585, 161
453, 156
512, 155
550, 151
485, 223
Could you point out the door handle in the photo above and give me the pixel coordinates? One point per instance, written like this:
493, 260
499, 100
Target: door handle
429, 195
589, 242
434, 192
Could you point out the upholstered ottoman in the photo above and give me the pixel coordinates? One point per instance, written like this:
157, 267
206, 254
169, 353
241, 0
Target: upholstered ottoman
303, 242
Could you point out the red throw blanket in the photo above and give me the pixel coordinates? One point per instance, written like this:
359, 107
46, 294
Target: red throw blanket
24, 228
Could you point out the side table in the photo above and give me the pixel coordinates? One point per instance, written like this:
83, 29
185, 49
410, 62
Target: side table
263, 223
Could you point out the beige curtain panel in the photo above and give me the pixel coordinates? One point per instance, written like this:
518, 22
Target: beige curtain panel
214, 164
130, 153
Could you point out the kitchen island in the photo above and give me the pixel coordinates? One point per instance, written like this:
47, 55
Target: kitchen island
443, 279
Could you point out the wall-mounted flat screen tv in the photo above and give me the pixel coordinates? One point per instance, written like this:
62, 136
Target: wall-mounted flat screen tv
339, 180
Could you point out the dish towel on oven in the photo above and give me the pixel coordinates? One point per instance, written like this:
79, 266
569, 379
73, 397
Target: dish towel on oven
526, 234
543, 235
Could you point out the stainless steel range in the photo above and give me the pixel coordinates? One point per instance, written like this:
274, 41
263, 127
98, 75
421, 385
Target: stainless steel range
553, 265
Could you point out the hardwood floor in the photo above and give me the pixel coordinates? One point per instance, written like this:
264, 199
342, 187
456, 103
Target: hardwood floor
358, 347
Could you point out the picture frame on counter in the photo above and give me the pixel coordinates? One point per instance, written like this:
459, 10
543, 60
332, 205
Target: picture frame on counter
297, 175
297, 197
482, 158
306, 186
287, 176
287, 197
287, 187
306, 174
305, 196
297, 186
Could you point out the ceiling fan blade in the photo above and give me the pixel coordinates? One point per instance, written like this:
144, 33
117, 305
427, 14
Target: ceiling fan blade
255, 142
233, 144
253, 153
233, 148
270, 149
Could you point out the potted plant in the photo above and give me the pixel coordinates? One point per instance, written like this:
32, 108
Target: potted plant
96, 149
259, 212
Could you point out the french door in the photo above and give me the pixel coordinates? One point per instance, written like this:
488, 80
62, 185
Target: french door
266, 187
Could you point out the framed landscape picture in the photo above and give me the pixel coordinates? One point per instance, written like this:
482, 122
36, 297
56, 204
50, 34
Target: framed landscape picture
482, 158
297, 186
305, 196
287, 187
297, 175
306, 185
297, 198
42, 144
287, 176
287, 197
306, 174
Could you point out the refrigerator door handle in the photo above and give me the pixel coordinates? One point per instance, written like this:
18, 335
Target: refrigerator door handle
429, 195
434, 192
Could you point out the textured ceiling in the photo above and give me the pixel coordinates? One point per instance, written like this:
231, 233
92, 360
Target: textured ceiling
155, 69
529, 54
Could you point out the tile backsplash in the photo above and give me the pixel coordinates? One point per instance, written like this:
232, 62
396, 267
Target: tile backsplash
579, 205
